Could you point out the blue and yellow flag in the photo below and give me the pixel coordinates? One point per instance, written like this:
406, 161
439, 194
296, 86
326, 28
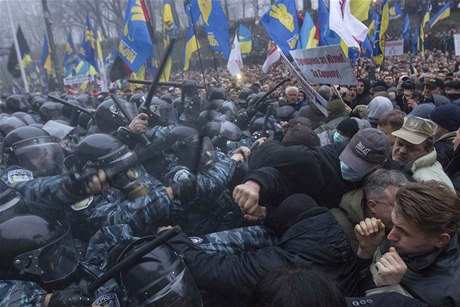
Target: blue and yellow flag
280, 22
245, 39
395, 11
425, 20
46, 56
191, 45
381, 27
443, 13
366, 48
88, 45
169, 30
71, 57
307, 33
215, 24
135, 45
416, 40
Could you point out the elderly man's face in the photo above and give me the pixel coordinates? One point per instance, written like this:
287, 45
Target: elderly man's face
292, 96
404, 152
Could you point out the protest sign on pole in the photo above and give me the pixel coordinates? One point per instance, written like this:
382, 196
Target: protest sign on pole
78, 79
394, 48
457, 44
324, 65
310, 93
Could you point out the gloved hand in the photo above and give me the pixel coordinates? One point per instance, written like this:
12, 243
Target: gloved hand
185, 187
71, 296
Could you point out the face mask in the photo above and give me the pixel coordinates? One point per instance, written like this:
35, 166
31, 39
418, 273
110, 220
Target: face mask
338, 138
348, 173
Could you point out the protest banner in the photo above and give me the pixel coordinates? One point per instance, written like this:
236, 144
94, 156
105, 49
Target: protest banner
457, 44
394, 48
324, 65
312, 96
78, 79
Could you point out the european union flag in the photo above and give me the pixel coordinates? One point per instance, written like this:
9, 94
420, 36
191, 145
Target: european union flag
88, 46
280, 22
135, 45
215, 24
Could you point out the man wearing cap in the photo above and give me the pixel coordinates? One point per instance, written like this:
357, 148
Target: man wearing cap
414, 150
447, 117
324, 173
433, 91
453, 92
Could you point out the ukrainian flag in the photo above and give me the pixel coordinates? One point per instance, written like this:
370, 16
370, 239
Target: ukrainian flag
421, 39
443, 13
46, 57
245, 39
71, 57
307, 33
191, 45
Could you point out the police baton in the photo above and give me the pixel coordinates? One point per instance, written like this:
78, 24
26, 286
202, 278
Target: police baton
132, 259
155, 81
122, 109
67, 103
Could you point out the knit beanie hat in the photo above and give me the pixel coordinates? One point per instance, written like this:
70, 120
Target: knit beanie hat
348, 127
447, 116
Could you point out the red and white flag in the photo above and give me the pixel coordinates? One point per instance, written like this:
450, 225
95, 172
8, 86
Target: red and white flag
348, 27
272, 57
235, 62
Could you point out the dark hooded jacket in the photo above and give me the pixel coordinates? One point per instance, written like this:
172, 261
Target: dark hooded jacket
314, 241
365, 97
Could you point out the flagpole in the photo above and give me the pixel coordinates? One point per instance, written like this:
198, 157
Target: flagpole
18, 52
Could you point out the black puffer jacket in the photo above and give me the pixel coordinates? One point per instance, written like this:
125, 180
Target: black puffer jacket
285, 170
315, 241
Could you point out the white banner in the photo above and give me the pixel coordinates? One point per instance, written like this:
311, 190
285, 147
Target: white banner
324, 65
457, 44
394, 48
78, 79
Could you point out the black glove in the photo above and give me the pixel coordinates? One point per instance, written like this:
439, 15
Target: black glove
185, 189
71, 296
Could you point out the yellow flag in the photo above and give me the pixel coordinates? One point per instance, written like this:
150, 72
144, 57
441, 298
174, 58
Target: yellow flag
360, 9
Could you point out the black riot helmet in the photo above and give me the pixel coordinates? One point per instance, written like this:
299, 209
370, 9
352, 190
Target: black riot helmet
8, 124
16, 103
37, 247
25, 117
160, 112
137, 98
184, 143
109, 117
160, 278
50, 110
17, 135
42, 155
104, 151
11, 203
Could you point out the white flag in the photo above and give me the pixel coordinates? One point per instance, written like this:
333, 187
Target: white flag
272, 57
347, 26
235, 62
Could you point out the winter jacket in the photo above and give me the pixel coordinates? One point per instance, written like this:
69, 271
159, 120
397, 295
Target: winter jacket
427, 168
445, 148
315, 241
285, 170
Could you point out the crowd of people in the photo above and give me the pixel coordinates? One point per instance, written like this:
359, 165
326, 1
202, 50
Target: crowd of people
259, 197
